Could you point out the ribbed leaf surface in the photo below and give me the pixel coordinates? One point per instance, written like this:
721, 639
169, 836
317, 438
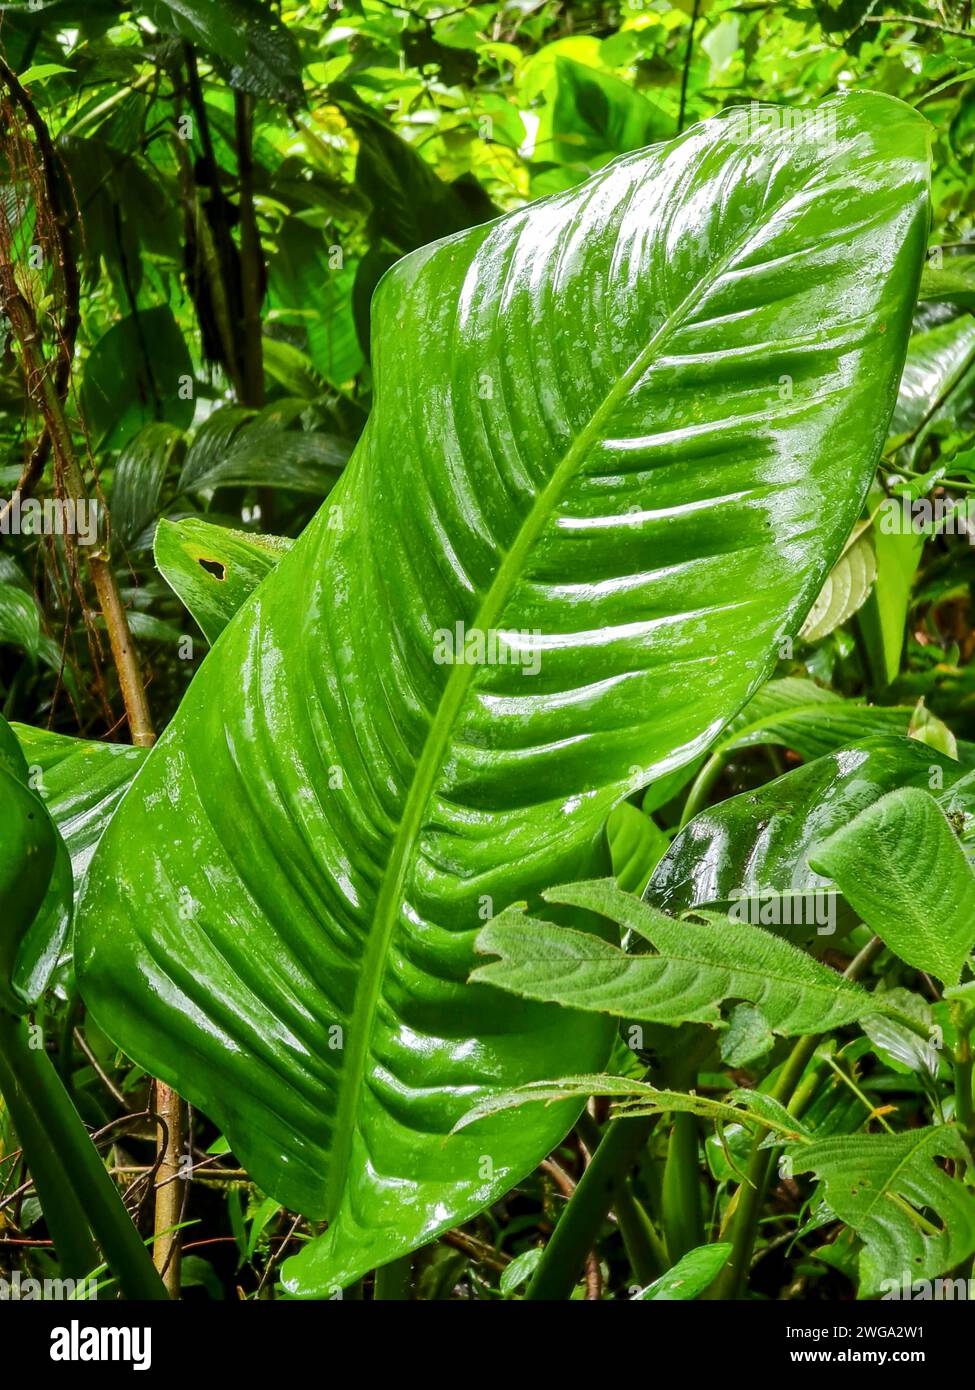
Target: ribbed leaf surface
581, 442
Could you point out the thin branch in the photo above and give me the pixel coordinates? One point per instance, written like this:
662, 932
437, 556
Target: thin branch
913, 19
70, 277
688, 54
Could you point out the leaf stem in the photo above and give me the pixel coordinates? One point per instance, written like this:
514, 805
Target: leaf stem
393, 1281
77, 1195
751, 1193
683, 1218
701, 787
597, 1190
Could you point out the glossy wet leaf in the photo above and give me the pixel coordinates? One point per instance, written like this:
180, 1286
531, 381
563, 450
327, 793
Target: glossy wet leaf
935, 382
696, 967
579, 442
901, 866
213, 569
690, 1277
757, 844
35, 884
81, 782
636, 844
807, 718
878, 1184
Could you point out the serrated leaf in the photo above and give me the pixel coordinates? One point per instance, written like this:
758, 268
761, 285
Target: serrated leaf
884, 1187
698, 967
354, 788
753, 1108
902, 868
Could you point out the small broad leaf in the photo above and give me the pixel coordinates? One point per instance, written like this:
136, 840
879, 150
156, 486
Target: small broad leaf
80, 782
690, 1277
35, 885
846, 590
886, 1188
698, 967
798, 714
636, 845
905, 1049
952, 282
754, 848
520, 1271
901, 867
212, 569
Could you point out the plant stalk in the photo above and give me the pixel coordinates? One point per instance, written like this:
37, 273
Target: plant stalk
731, 1282
76, 1193
42, 388
393, 1281
597, 1190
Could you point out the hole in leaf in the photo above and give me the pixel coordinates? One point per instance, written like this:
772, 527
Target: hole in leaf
213, 567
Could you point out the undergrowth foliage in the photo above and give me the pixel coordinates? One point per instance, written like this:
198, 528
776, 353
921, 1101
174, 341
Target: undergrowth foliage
487, 774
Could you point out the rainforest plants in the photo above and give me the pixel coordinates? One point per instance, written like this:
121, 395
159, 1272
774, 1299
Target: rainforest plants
555, 810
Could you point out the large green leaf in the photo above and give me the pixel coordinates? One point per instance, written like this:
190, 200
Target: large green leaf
578, 441
596, 115
244, 36
80, 783
903, 869
35, 884
758, 843
886, 1187
696, 968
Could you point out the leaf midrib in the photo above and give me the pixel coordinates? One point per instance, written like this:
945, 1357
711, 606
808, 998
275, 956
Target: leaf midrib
429, 764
